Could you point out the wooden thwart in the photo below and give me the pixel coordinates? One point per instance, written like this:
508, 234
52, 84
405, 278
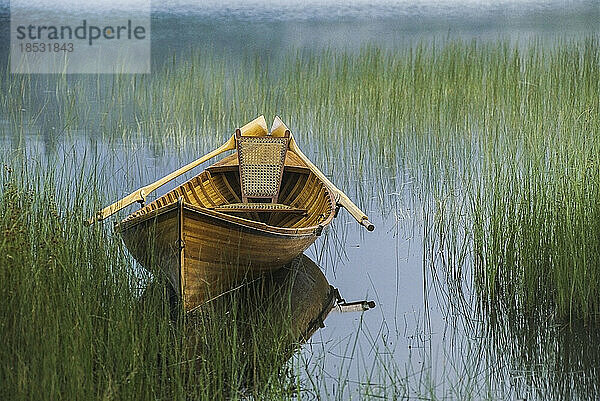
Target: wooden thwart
259, 207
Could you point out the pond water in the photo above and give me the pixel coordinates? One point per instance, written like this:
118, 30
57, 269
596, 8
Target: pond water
268, 28
424, 339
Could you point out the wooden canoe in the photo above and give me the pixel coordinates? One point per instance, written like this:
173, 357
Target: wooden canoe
203, 251
235, 220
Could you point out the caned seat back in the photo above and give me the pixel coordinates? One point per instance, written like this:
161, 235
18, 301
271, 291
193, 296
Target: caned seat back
261, 160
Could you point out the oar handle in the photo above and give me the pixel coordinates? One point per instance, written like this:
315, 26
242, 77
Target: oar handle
358, 214
369, 226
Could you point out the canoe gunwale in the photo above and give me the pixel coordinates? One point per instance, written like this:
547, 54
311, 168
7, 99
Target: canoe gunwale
127, 223
235, 221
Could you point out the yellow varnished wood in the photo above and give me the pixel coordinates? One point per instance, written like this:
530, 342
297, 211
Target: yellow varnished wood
256, 127
278, 128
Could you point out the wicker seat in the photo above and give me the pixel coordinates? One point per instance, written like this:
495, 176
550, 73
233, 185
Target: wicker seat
261, 159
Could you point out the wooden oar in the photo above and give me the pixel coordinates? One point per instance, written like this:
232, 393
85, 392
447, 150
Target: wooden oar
342, 198
256, 127
140, 194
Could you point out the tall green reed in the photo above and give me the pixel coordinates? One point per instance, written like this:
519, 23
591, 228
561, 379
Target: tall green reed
79, 319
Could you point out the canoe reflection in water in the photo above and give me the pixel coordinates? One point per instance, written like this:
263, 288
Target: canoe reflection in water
297, 297
256, 327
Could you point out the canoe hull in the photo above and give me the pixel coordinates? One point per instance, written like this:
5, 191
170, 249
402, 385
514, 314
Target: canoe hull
203, 254
219, 254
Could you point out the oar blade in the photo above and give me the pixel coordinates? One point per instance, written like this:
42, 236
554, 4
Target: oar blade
278, 128
256, 127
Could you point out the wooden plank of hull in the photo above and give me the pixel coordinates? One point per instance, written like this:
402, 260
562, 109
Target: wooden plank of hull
215, 254
219, 254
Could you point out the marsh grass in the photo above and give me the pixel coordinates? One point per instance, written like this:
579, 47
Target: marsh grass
534, 208
80, 320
